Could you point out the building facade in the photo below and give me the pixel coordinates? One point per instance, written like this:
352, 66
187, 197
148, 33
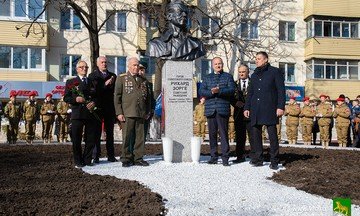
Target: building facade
315, 43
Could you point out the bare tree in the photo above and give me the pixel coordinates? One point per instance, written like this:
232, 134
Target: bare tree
87, 11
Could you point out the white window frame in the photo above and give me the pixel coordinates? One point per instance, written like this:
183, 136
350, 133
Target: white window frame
62, 76
324, 64
72, 14
312, 23
286, 64
26, 18
249, 24
210, 30
116, 22
286, 29
116, 63
43, 56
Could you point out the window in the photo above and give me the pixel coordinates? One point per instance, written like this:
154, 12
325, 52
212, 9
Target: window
5, 57
68, 65
69, 20
287, 31
332, 69
22, 58
147, 20
288, 70
25, 9
116, 22
210, 26
116, 64
249, 29
149, 63
205, 68
341, 29
5, 8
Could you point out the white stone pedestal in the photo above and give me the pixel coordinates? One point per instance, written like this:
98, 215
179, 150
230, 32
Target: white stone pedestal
178, 103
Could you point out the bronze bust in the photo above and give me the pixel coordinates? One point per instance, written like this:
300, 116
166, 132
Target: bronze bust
175, 42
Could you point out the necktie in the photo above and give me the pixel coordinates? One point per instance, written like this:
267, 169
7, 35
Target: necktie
244, 85
84, 80
104, 74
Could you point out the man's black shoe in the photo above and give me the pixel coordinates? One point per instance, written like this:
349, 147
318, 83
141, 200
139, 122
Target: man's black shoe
213, 161
256, 164
239, 160
112, 159
127, 164
141, 163
96, 160
226, 163
274, 166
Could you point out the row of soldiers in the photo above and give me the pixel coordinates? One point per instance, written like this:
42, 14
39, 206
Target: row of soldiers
309, 116
30, 111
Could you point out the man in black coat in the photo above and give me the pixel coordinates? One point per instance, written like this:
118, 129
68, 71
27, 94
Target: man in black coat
265, 103
242, 124
105, 84
80, 92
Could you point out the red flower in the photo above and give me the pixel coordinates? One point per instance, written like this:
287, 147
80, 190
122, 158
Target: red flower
76, 83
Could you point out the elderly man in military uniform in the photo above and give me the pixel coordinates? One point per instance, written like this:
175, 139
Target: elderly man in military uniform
307, 115
63, 109
47, 112
131, 98
12, 112
200, 119
292, 111
341, 114
30, 115
324, 114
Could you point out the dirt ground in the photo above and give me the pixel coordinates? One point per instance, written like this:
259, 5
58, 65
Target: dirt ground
42, 180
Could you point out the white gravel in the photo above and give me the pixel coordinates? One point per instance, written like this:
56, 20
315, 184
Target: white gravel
202, 189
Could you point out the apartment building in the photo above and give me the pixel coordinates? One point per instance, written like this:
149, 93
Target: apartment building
315, 43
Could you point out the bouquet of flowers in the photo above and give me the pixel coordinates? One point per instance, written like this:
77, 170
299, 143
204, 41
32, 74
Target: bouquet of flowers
74, 88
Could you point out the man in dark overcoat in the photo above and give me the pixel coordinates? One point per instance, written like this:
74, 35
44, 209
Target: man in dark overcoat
105, 85
265, 102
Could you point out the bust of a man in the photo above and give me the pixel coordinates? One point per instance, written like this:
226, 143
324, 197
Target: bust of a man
175, 43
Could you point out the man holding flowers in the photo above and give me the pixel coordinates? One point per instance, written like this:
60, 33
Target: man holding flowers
80, 92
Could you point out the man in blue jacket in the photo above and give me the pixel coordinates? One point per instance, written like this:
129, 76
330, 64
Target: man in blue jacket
265, 103
218, 88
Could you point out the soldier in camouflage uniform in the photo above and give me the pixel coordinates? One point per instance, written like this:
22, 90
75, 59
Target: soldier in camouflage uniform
292, 111
47, 112
30, 115
324, 114
341, 115
132, 102
200, 118
12, 112
62, 110
307, 120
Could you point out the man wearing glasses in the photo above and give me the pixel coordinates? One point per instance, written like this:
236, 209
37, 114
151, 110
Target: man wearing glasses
80, 92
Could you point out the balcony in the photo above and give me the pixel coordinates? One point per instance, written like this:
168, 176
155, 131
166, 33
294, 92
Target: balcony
12, 37
345, 8
333, 88
23, 75
188, 2
332, 48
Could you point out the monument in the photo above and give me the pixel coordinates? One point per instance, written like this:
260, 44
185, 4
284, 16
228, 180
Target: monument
179, 49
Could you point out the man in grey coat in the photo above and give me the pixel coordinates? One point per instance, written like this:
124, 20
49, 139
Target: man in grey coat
265, 102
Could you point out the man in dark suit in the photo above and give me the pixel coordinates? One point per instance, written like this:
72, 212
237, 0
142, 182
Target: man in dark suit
242, 124
80, 92
265, 103
218, 89
105, 84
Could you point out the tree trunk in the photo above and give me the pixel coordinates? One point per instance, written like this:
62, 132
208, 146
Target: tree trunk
93, 34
